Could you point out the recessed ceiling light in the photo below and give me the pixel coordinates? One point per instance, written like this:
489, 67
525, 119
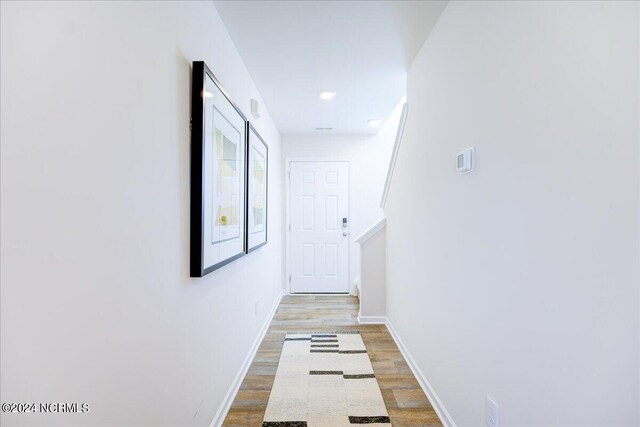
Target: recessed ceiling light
208, 94
327, 95
375, 122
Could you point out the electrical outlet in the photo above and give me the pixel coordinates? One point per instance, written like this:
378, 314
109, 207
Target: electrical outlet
255, 308
492, 413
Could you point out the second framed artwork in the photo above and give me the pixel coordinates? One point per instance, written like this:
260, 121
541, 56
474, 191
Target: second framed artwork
257, 189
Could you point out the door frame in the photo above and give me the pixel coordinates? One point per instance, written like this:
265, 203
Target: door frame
287, 191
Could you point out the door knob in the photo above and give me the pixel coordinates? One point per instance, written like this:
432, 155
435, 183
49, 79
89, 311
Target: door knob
344, 233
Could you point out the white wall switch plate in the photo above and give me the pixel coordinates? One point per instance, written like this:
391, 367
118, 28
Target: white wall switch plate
465, 160
492, 414
255, 108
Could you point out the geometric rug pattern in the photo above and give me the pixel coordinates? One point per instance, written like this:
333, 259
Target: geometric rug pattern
325, 379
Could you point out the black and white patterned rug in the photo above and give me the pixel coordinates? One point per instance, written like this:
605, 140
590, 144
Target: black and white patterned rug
325, 379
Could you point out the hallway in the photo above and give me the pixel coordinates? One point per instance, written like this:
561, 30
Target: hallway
405, 401
267, 213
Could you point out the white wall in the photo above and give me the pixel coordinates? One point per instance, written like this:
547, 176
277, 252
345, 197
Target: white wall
520, 280
373, 289
97, 305
369, 159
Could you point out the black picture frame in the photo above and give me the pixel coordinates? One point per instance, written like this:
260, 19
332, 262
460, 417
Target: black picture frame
205, 96
251, 244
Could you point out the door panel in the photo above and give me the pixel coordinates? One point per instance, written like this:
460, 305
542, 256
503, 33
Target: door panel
308, 259
319, 242
331, 212
331, 259
308, 221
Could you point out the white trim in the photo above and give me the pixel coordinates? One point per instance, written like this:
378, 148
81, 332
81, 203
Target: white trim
287, 235
218, 419
323, 294
372, 320
287, 224
315, 159
356, 287
372, 231
435, 401
394, 154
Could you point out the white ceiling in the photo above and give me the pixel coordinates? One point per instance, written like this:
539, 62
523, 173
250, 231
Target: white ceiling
360, 49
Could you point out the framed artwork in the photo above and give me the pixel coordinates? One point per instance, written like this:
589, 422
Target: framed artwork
257, 189
218, 175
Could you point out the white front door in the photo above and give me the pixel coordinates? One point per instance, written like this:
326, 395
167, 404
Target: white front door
319, 226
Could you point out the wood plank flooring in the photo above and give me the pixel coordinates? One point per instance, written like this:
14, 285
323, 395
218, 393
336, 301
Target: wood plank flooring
405, 401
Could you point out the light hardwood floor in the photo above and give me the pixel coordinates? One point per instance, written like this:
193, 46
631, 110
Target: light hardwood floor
405, 401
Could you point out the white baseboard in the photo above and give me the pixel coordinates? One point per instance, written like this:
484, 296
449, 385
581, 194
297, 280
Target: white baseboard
372, 320
435, 401
218, 419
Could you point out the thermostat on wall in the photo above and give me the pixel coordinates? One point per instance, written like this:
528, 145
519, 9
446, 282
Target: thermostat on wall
465, 160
